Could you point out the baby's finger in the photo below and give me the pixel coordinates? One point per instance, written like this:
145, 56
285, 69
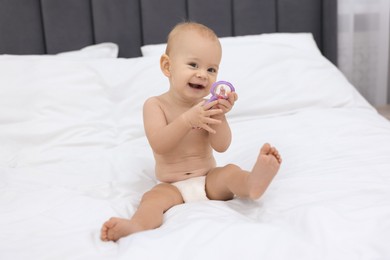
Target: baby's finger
208, 105
211, 121
209, 129
225, 103
213, 112
232, 97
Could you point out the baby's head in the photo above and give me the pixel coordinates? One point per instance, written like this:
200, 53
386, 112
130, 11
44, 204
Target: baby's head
187, 28
192, 57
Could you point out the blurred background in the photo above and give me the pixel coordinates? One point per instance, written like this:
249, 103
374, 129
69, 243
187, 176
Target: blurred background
363, 47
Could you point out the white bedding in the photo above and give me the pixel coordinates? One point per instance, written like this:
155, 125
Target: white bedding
73, 153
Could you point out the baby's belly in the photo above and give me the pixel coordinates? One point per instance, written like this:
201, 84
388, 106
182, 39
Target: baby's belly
183, 169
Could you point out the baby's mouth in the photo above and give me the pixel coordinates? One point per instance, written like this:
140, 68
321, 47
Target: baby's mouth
197, 86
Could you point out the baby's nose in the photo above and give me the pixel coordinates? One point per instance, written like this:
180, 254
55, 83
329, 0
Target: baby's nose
201, 74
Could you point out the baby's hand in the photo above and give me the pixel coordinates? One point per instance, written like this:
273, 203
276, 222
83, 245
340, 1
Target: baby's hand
200, 116
227, 104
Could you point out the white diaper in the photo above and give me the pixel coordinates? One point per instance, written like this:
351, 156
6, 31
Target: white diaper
192, 189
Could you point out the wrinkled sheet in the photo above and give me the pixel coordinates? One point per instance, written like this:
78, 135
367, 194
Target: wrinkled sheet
330, 200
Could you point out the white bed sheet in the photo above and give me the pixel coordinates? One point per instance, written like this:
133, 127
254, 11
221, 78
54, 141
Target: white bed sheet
73, 154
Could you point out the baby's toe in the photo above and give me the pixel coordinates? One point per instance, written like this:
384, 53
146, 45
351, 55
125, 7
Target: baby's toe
265, 149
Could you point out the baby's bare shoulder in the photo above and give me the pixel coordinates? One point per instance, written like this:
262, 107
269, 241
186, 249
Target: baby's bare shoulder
152, 103
157, 106
155, 100
157, 103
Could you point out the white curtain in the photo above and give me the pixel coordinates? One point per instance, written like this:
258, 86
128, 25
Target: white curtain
363, 46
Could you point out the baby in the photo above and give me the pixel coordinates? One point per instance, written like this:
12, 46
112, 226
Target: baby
183, 130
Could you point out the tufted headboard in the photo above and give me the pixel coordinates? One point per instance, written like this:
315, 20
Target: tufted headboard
52, 26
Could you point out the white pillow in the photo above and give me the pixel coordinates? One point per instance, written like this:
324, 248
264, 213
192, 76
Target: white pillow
295, 40
274, 79
153, 49
101, 50
277, 73
51, 105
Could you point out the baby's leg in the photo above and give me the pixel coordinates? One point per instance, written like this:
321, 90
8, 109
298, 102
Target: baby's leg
223, 183
267, 165
149, 214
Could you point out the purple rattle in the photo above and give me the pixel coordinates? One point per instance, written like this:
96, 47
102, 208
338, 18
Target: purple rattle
220, 89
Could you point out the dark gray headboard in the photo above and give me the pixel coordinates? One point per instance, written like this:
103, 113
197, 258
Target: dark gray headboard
52, 26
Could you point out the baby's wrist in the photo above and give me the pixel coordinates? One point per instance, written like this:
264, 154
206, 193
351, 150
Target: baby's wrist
221, 117
186, 122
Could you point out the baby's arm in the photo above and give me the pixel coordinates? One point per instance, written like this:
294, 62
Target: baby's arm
164, 136
221, 141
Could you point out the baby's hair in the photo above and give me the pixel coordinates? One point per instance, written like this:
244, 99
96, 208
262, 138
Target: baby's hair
188, 25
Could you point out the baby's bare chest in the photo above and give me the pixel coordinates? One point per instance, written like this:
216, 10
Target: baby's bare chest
195, 142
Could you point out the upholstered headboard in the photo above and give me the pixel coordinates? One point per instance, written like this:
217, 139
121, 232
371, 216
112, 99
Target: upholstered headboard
52, 26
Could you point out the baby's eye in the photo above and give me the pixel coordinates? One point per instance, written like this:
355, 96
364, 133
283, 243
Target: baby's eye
193, 64
212, 70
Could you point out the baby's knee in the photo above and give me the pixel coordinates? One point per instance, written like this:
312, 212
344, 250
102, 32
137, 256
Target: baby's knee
162, 194
149, 195
232, 168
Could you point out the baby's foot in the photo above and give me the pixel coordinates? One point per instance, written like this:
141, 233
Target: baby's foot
116, 228
267, 165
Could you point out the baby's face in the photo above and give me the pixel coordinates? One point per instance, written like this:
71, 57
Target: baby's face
194, 60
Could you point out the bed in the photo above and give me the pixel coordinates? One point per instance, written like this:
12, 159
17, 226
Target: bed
73, 152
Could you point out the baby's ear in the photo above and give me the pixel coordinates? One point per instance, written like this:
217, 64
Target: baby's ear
165, 65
